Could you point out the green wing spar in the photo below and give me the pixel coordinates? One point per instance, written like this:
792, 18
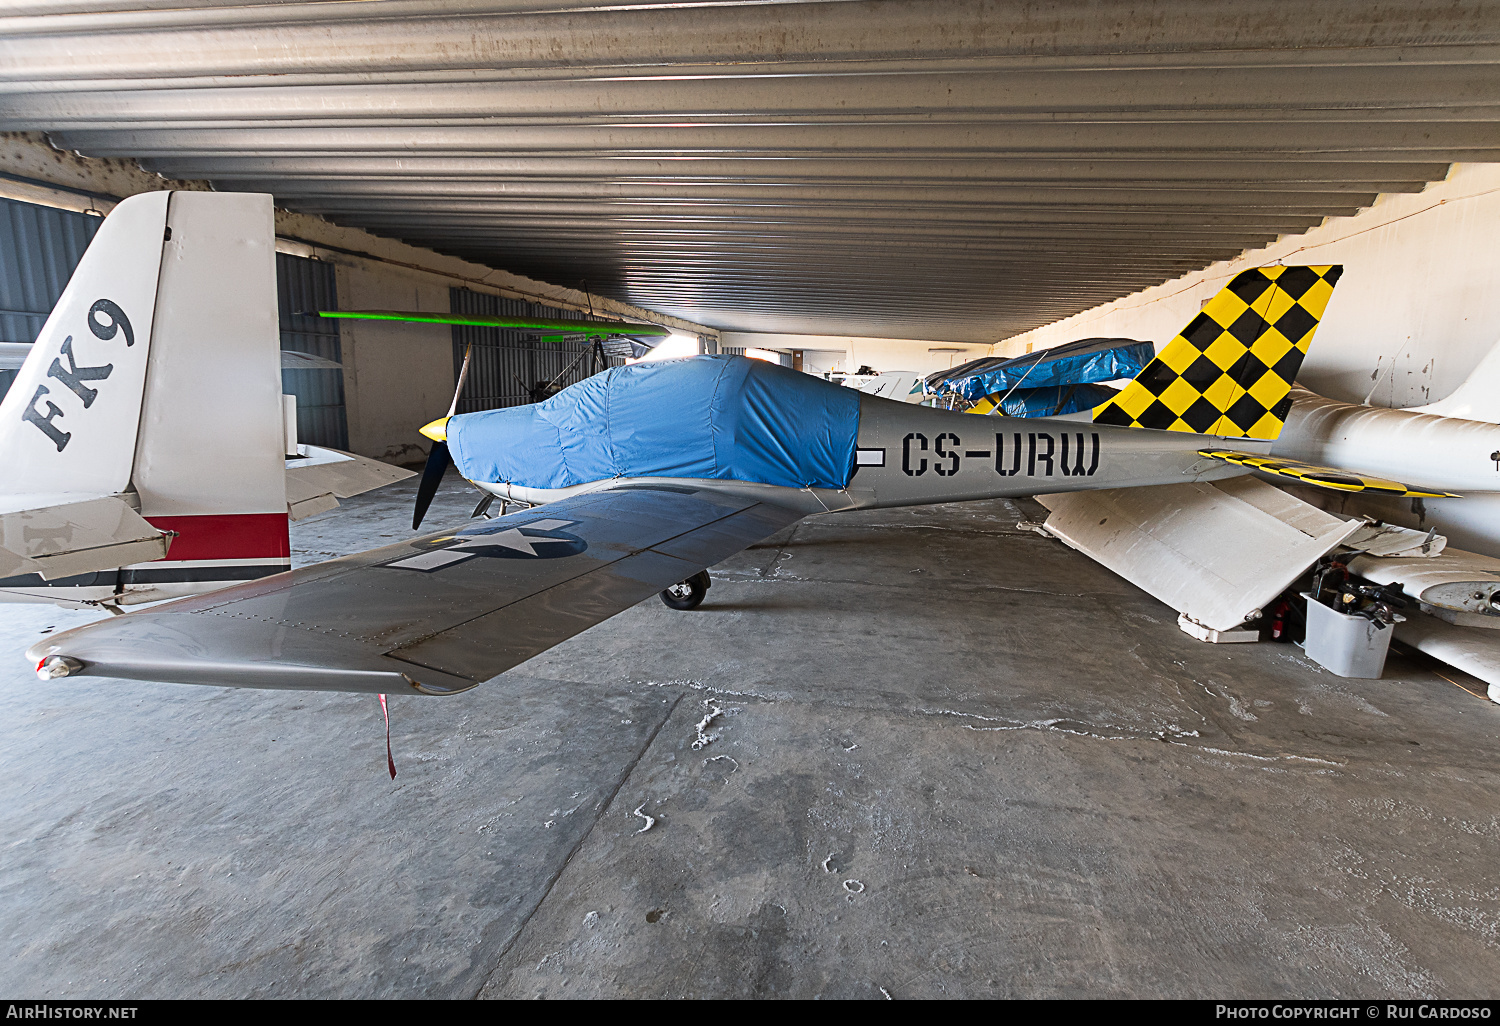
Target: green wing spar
592, 329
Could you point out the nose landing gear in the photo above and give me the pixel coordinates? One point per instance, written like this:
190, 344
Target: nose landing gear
687, 594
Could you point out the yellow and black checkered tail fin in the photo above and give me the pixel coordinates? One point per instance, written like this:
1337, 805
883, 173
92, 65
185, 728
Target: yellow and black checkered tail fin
1229, 372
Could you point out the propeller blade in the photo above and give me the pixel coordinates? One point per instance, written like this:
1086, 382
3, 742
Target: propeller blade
432, 476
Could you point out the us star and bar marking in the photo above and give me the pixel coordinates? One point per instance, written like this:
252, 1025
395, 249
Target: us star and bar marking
539, 539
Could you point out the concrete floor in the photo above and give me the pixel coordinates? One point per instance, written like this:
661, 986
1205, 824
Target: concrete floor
954, 759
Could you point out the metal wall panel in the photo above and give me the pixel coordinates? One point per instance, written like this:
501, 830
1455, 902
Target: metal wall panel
509, 367
303, 287
39, 247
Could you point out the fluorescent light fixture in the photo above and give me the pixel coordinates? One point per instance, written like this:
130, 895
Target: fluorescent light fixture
673, 347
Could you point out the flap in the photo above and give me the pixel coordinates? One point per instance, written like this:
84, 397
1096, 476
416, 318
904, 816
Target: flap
1473, 651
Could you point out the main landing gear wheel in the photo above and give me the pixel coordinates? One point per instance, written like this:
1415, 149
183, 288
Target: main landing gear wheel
687, 594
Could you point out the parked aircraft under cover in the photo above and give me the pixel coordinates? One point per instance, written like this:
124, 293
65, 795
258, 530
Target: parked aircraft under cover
637, 479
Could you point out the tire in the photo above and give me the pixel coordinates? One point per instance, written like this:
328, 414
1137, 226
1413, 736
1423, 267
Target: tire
687, 594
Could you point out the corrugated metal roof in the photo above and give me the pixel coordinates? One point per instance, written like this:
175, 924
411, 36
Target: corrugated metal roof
956, 169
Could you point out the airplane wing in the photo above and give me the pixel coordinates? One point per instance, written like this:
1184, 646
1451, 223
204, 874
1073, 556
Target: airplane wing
1323, 477
1217, 553
437, 614
60, 539
1474, 651
1458, 581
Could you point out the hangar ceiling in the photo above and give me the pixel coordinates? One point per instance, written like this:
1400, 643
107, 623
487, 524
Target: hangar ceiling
943, 169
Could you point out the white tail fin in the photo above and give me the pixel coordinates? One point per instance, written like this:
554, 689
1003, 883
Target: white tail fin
158, 373
1478, 398
68, 424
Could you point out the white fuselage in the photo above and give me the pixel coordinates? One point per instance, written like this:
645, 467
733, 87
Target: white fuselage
1448, 454
1445, 454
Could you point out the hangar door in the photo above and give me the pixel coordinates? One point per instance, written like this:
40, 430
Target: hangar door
39, 247
510, 367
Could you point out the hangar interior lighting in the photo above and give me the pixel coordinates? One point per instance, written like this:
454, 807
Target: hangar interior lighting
673, 347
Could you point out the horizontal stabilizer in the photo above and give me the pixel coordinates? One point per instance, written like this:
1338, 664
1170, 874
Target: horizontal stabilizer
559, 327
1390, 541
76, 538
317, 478
1323, 477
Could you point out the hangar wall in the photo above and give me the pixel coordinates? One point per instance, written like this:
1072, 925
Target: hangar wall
397, 376
1417, 308
922, 356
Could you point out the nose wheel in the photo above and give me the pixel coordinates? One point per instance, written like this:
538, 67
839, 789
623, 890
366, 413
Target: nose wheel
687, 594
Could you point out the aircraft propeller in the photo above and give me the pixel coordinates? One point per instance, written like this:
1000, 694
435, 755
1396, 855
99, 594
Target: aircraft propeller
438, 458
432, 476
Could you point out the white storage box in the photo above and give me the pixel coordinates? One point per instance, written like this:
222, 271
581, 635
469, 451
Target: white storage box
1350, 646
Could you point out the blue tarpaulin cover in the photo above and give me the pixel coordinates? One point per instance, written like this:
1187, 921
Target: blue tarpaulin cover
1084, 362
720, 417
1054, 400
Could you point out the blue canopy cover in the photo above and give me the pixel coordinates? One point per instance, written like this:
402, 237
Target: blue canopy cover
1052, 401
718, 417
1085, 362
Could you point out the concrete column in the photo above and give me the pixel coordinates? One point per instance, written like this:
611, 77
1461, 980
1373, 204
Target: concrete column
397, 376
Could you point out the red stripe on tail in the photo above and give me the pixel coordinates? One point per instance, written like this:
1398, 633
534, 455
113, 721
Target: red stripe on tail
227, 536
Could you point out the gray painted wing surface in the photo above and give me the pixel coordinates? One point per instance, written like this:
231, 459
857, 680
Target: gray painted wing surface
438, 614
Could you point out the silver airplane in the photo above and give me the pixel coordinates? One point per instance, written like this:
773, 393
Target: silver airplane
635, 481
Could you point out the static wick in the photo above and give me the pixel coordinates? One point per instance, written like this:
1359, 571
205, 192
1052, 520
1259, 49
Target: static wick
704, 740
650, 820
389, 761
